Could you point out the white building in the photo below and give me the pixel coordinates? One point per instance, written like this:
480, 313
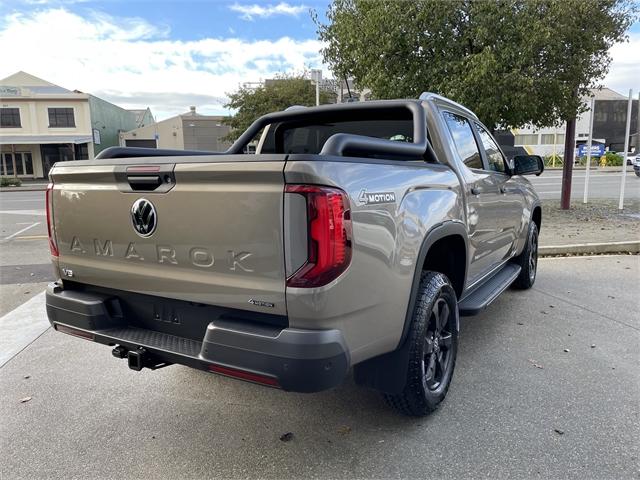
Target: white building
609, 124
40, 124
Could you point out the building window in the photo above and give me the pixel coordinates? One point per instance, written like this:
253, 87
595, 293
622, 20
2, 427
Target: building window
548, 138
61, 117
10, 118
17, 164
526, 139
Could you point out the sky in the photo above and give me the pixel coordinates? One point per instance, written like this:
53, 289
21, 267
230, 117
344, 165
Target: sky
169, 55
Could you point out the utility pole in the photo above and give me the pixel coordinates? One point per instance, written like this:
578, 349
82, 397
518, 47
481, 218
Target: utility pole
567, 168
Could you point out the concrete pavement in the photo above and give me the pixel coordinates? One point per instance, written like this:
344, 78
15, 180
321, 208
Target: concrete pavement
520, 406
25, 266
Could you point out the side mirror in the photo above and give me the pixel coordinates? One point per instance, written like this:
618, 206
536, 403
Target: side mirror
527, 165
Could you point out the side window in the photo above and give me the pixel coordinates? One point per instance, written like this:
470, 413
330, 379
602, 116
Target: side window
464, 140
494, 155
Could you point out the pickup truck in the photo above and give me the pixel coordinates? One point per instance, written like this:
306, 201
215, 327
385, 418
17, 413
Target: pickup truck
352, 239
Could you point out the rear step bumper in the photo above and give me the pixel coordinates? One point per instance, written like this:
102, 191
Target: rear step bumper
289, 358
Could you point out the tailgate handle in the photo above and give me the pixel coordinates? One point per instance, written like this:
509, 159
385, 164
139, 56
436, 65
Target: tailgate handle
144, 182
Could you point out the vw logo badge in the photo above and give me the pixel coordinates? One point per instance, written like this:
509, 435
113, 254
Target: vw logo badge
144, 217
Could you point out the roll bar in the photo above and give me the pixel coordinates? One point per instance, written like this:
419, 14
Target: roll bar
340, 144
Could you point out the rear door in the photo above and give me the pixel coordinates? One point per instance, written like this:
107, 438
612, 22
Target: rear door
510, 201
217, 235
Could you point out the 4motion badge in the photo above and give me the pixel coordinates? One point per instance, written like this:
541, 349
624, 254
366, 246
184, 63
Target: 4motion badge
375, 198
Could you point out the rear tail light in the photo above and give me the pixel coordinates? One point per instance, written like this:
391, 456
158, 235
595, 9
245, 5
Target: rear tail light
329, 234
244, 375
53, 246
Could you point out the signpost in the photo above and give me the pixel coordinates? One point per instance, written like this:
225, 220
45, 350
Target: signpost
626, 150
589, 151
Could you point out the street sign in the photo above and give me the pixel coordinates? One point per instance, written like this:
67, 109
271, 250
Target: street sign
597, 150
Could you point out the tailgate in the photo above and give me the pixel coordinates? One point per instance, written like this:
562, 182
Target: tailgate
217, 235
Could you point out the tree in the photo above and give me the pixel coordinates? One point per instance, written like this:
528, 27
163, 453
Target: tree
513, 62
275, 95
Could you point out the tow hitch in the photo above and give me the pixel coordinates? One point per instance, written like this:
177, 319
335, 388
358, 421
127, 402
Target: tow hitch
138, 359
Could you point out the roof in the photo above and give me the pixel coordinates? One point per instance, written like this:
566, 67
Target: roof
605, 93
446, 101
37, 139
139, 115
23, 84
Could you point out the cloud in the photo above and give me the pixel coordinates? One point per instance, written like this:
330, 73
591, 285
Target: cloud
264, 11
136, 64
624, 72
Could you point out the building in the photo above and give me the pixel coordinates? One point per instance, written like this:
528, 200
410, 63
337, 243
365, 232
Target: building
189, 131
108, 121
347, 92
609, 125
42, 123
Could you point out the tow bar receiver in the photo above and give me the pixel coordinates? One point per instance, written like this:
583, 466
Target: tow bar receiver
138, 359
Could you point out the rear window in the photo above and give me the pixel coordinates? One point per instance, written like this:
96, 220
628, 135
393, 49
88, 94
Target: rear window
309, 137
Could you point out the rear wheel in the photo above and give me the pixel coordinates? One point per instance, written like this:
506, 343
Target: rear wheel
528, 260
433, 347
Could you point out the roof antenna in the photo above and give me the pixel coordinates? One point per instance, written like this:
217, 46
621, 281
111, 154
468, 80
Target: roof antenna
348, 89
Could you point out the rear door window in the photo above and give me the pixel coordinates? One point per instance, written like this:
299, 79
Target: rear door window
464, 140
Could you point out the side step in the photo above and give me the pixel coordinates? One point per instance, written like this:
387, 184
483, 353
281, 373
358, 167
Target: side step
487, 292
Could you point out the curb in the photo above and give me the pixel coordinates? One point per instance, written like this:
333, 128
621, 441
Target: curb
24, 189
590, 248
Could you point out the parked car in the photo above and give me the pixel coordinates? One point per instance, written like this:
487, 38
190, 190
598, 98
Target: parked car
355, 236
636, 165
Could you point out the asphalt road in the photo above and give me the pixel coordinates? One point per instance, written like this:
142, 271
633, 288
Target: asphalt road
25, 267
602, 184
546, 386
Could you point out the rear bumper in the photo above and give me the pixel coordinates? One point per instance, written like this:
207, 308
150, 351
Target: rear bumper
289, 358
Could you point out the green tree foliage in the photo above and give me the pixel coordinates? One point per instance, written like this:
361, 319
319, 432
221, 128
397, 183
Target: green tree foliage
511, 61
276, 95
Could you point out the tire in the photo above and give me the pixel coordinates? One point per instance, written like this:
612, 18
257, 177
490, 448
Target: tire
433, 346
528, 260
637, 173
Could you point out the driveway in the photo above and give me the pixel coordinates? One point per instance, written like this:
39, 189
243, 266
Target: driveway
546, 386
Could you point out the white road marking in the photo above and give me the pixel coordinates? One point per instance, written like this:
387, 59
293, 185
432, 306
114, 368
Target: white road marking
37, 213
22, 326
21, 231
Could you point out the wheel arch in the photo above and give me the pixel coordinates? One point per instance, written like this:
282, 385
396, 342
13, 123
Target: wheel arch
536, 215
388, 372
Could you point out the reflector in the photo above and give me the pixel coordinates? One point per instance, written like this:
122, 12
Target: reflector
244, 375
